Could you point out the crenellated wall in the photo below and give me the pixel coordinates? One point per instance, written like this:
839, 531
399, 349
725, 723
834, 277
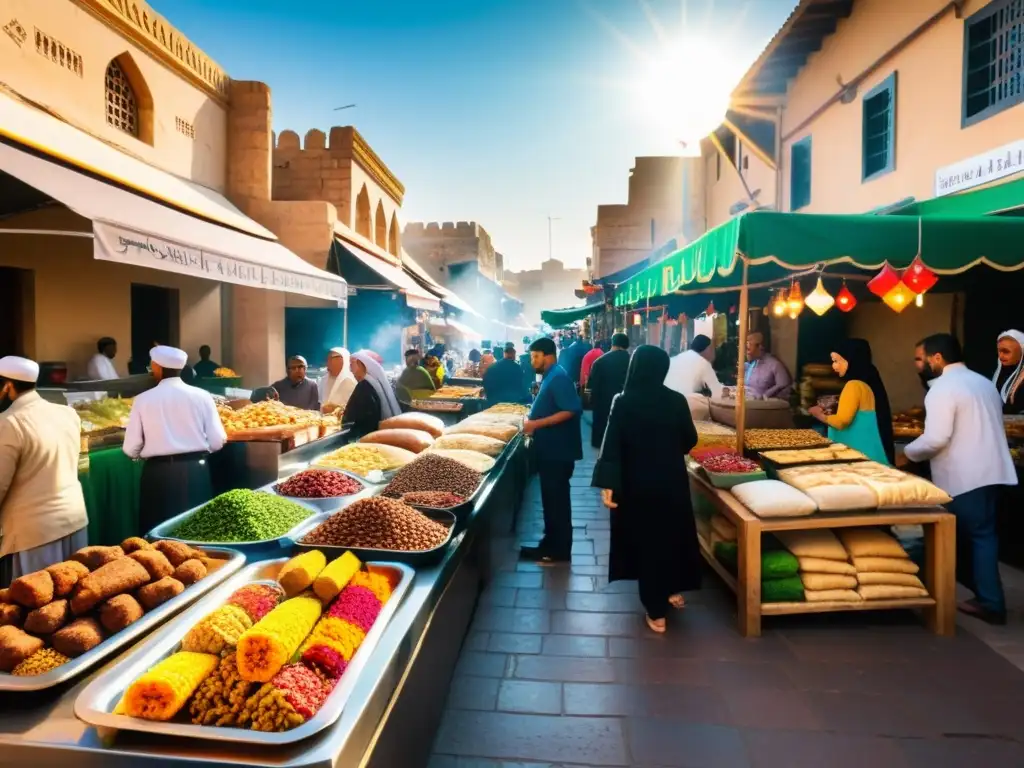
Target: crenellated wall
341, 169
434, 245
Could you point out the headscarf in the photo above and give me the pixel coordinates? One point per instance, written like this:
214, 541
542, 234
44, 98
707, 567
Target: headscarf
379, 381
373, 355
647, 370
857, 354
345, 375
1009, 388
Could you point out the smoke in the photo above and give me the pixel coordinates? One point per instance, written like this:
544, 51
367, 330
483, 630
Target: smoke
385, 339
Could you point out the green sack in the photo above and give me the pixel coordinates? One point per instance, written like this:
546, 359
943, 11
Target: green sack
779, 564
727, 553
786, 590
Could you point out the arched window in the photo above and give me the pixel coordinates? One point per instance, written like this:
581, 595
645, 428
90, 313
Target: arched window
363, 215
381, 226
122, 104
393, 235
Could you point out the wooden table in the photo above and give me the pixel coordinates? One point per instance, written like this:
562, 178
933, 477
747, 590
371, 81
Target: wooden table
939, 576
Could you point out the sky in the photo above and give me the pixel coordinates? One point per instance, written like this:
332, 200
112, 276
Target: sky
503, 112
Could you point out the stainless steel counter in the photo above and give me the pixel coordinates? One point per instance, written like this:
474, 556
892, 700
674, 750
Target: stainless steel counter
394, 708
256, 464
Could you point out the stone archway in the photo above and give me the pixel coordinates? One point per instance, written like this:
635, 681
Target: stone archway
363, 218
381, 226
128, 100
393, 244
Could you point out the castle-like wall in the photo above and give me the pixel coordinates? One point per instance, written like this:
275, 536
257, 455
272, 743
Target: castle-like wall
435, 245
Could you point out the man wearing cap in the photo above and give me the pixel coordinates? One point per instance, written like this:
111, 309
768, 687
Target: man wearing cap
174, 427
295, 389
42, 510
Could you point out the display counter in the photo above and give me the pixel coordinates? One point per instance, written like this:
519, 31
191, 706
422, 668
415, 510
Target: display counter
253, 464
393, 713
938, 574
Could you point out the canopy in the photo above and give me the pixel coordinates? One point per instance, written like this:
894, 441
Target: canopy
450, 326
559, 318
448, 297
1001, 198
777, 244
392, 276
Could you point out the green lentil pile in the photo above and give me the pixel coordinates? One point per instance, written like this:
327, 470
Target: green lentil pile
242, 515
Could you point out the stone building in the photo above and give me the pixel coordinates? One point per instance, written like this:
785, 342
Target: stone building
435, 246
550, 287
137, 196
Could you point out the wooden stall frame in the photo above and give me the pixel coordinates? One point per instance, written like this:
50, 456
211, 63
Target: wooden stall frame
939, 577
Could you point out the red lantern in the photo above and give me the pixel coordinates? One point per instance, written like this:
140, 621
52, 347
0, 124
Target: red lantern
710, 310
845, 300
918, 277
884, 281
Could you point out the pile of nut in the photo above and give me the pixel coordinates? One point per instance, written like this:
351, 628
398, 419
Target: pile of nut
773, 439
379, 523
431, 472
435, 499
319, 484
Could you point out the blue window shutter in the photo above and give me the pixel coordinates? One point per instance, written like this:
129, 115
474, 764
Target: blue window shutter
800, 174
878, 130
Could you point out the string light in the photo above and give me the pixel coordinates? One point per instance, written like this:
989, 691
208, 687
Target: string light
780, 305
795, 302
819, 300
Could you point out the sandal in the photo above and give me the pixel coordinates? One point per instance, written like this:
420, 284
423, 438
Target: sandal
656, 625
677, 601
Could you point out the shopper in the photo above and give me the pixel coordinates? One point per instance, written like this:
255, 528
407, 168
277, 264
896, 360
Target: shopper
335, 386
295, 389
607, 378
414, 377
503, 381
588, 363
966, 444
174, 427
554, 424
1007, 378
690, 372
42, 510
765, 376
642, 476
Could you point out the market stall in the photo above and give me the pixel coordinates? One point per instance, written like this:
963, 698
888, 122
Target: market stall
119, 714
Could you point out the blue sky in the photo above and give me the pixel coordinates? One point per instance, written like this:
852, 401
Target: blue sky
499, 111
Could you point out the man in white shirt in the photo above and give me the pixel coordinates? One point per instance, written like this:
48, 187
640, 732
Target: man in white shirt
42, 510
101, 365
337, 384
965, 441
174, 427
690, 372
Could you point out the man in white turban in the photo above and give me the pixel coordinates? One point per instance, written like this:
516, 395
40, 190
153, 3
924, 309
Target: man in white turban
175, 428
42, 510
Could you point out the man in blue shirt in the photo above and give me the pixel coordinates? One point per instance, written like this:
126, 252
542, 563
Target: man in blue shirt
554, 423
503, 381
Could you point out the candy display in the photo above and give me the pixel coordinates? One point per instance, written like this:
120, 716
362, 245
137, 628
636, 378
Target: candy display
379, 523
220, 698
162, 691
269, 413
293, 695
431, 472
218, 632
335, 576
319, 484
363, 458
257, 600
242, 515
436, 499
729, 463
266, 647
298, 574
772, 439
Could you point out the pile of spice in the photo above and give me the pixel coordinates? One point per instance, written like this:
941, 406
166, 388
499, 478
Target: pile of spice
431, 472
729, 463
319, 484
379, 523
242, 515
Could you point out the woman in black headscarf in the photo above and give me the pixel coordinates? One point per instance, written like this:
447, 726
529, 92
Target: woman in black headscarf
863, 419
642, 474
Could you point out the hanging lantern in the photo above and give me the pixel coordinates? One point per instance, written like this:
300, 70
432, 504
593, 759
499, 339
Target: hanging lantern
845, 300
795, 302
918, 278
884, 281
636, 318
779, 306
819, 300
899, 297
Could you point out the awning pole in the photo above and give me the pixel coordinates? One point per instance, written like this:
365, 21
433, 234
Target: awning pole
344, 327
741, 393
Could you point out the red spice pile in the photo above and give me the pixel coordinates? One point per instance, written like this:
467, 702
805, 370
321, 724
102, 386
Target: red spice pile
319, 484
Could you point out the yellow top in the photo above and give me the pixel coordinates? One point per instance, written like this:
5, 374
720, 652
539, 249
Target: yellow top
856, 396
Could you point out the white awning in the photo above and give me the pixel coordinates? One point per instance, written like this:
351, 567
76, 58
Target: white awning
51, 136
131, 229
448, 296
416, 296
449, 326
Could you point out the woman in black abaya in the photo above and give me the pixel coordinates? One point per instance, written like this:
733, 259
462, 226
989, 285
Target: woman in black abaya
643, 477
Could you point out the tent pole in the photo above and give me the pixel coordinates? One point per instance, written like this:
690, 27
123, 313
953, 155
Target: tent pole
741, 394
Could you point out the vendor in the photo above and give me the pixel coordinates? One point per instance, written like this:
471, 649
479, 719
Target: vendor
372, 400
335, 386
205, 367
1007, 377
503, 381
296, 390
415, 377
42, 510
765, 376
101, 365
174, 427
432, 364
690, 372
487, 359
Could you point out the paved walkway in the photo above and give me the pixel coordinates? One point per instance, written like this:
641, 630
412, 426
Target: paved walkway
559, 669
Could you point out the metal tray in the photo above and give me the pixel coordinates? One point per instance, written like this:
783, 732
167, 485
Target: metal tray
235, 560
420, 559
462, 510
163, 531
95, 705
331, 503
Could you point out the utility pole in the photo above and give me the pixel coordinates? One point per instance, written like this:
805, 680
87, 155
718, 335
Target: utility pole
550, 249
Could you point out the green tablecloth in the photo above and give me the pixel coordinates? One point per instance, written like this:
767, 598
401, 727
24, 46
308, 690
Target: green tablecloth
111, 488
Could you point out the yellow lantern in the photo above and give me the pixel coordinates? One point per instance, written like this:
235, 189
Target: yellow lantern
819, 300
795, 302
779, 306
899, 297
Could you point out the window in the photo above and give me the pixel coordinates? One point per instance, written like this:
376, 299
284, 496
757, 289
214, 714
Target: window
878, 137
800, 174
122, 106
993, 60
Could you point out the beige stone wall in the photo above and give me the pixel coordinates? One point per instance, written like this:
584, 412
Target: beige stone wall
188, 123
435, 245
77, 299
550, 287
928, 107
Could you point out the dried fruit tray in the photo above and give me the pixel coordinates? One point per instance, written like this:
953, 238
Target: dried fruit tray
95, 705
328, 503
417, 559
233, 562
462, 510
